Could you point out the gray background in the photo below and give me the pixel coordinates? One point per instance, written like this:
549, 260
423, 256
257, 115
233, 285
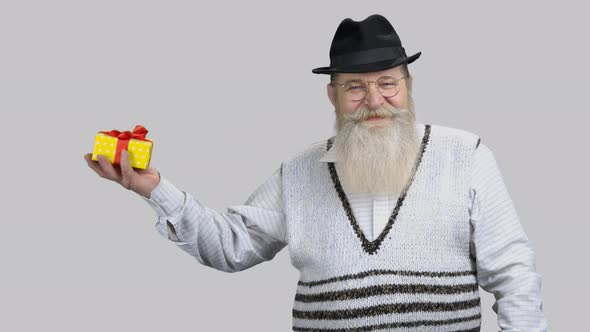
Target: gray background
79, 253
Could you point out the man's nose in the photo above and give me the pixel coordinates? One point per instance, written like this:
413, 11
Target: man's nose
374, 99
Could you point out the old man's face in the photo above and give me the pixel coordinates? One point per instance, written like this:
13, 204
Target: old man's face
376, 142
373, 100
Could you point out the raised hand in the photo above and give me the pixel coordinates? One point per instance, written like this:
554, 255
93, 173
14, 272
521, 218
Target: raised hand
141, 181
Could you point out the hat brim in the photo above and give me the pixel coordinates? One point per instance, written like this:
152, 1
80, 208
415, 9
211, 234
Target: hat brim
369, 67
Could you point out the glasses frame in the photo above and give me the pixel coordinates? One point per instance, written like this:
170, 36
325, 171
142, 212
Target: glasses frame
368, 83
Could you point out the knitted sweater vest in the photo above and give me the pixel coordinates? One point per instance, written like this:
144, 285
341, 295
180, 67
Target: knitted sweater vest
417, 275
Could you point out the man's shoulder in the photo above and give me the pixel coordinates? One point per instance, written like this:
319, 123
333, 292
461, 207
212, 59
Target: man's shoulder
311, 151
444, 130
463, 135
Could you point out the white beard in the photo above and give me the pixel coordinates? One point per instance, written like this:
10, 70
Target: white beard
376, 157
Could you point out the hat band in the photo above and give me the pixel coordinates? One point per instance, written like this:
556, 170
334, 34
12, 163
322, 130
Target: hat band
368, 56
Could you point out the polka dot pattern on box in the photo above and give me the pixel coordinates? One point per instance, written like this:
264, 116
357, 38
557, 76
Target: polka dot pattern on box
105, 145
139, 153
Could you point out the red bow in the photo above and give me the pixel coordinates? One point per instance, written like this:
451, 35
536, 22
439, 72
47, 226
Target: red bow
138, 133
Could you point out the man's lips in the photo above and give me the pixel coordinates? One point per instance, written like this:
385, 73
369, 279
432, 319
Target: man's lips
374, 118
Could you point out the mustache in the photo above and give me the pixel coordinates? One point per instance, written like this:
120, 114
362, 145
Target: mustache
363, 113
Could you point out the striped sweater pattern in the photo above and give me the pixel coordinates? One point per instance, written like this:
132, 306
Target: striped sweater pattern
418, 274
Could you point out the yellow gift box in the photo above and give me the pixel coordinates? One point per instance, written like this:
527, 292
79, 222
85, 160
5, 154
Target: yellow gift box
111, 143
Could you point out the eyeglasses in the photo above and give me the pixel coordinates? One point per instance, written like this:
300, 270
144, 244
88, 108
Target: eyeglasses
356, 90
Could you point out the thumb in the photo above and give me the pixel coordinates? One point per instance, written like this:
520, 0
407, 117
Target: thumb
126, 170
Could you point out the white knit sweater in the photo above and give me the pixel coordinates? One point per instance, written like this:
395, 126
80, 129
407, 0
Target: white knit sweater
418, 273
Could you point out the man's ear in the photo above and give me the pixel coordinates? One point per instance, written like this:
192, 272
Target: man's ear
331, 94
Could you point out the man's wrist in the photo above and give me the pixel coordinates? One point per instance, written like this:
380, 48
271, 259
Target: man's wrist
166, 196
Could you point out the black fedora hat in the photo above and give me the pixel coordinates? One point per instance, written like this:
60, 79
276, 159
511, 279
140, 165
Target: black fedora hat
366, 46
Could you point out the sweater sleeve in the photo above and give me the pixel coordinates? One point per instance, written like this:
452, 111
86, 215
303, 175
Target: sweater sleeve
231, 241
504, 256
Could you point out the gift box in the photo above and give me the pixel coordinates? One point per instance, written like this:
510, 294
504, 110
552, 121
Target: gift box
111, 143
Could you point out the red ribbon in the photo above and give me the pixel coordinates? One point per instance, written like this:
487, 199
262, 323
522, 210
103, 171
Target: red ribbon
138, 133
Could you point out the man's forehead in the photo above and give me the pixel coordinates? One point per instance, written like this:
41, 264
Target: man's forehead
395, 71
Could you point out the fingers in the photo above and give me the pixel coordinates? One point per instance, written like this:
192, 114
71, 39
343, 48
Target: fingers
124, 174
108, 169
93, 165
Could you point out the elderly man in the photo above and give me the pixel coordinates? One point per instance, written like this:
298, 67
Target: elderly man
393, 224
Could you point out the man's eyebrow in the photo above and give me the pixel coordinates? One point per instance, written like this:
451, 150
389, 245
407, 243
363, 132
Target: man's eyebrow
360, 79
353, 79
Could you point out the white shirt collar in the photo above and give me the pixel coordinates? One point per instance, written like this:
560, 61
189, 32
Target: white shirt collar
330, 155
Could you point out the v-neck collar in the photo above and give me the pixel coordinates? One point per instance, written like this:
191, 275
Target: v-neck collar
371, 247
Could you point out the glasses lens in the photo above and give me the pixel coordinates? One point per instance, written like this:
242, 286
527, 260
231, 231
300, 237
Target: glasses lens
389, 86
355, 90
